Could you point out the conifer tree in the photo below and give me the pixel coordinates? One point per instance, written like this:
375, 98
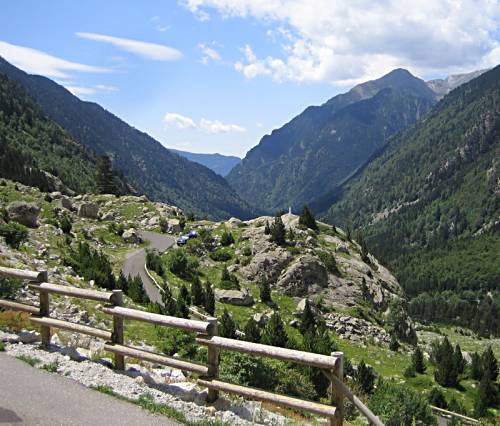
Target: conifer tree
307, 219
490, 364
227, 326
197, 293
437, 398
169, 305
458, 360
184, 294
485, 395
417, 360
476, 367
106, 183
265, 291
182, 308
445, 373
365, 377
274, 332
252, 331
307, 318
394, 344
267, 229
209, 299
278, 231
122, 283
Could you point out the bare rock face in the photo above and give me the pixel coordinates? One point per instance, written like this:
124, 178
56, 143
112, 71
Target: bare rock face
234, 297
65, 203
89, 210
267, 265
24, 213
305, 274
233, 223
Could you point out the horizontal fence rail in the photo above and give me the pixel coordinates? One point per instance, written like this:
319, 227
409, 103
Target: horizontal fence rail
332, 366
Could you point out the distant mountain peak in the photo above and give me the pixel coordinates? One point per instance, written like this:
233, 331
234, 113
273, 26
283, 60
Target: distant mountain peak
443, 86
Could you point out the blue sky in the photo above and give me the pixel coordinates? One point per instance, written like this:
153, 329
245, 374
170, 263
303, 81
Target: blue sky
216, 75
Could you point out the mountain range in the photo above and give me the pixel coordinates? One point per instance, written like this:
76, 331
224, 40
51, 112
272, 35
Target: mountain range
220, 164
147, 165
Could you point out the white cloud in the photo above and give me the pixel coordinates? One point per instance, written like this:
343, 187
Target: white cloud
179, 121
162, 28
90, 90
37, 62
206, 126
209, 54
343, 42
215, 126
157, 52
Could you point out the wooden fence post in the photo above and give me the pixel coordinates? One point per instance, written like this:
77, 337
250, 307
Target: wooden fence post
44, 311
117, 336
213, 360
336, 395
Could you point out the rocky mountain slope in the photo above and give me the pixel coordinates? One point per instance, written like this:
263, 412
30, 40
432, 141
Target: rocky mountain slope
445, 85
311, 155
148, 165
220, 164
430, 207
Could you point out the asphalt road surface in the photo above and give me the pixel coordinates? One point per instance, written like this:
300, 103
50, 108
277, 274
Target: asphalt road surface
134, 261
29, 396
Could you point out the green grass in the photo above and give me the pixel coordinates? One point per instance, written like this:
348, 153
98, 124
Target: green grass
29, 360
51, 367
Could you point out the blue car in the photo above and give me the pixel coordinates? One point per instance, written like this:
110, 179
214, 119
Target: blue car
192, 234
182, 240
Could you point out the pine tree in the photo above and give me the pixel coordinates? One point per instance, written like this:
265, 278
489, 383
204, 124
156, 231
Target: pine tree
227, 326
184, 295
267, 229
394, 344
169, 305
182, 308
458, 360
265, 291
307, 219
445, 373
197, 293
417, 361
252, 331
106, 183
136, 290
274, 332
365, 377
489, 364
437, 398
476, 367
209, 299
485, 395
278, 231
307, 318
122, 283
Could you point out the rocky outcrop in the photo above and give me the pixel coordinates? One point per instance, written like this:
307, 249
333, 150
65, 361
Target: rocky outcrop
24, 213
306, 274
89, 210
131, 236
234, 297
234, 223
356, 329
267, 265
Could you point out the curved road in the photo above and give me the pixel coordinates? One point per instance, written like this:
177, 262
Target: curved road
30, 396
135, 260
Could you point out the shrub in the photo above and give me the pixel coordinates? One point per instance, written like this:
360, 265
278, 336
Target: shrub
252, 331
221, 255
209, 299
14, 321
274, 332
14, 233
229, 281
437, 398
163, 225
227, 326
247, 370
365, 377
307, 219
417, 361
197, 293
247, 251
409, 372
265, 291
177, 341
2, 346
9, 287
66, 224
181, 264
154, 262
278, 231
226, 238
329, 260
400, 405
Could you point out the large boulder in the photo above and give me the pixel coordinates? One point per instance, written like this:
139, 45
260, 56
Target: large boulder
234, 297
234, 223
307, 274
174, 226
65, 203
24, 213
267, 265
89, 210
131, 236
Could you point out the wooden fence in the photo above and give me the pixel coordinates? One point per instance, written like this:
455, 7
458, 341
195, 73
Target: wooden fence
331, 366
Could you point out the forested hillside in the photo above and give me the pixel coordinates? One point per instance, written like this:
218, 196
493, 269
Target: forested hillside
31, 145
430, 203
312, 154
148, 166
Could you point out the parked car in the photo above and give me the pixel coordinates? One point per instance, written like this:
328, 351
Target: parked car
182, 240
192, 234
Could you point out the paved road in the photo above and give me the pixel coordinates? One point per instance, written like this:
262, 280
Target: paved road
29, 396
134, 261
